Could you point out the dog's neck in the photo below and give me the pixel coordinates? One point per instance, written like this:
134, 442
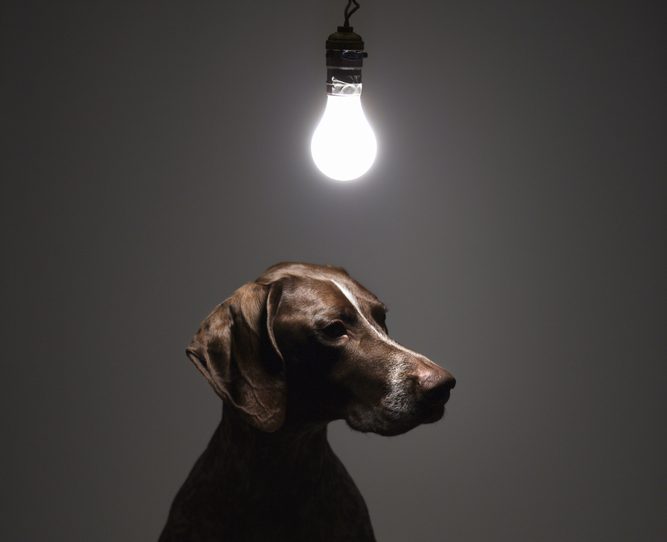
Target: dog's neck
253, 485
289, 452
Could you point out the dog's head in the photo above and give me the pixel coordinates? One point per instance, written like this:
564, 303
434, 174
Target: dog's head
307, 343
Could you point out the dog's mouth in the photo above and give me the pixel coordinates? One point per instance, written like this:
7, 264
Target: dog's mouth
434, 413
422, 413
389, 421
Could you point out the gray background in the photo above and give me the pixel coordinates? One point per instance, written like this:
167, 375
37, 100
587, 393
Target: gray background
155, 157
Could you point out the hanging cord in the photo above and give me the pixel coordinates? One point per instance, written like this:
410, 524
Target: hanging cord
350, 9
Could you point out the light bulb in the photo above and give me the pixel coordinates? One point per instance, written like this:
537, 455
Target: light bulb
343, 144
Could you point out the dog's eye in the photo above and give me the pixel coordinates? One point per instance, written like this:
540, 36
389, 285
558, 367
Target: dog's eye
335, 330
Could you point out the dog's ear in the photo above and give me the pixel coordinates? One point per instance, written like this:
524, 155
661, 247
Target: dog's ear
236, 351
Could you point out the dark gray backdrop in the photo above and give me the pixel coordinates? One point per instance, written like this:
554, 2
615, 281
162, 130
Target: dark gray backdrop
155, 157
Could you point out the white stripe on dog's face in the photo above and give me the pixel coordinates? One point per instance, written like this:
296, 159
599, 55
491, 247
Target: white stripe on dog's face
382, 336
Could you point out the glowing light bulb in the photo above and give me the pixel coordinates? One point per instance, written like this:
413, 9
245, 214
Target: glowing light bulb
343, 144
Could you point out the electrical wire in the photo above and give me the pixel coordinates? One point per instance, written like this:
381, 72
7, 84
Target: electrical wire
349, 10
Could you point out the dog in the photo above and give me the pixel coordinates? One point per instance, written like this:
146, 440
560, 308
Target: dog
299, 347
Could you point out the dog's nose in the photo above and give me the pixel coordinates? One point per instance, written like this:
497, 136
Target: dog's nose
435, 383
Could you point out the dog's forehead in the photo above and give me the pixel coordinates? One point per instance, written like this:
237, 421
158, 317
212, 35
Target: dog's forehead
328, 285
335, 292
356, 294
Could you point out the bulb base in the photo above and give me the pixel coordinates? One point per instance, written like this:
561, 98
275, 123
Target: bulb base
345, 39
344, 57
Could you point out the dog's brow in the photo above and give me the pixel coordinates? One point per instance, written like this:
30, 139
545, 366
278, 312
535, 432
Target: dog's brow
349, 295
353, 300
374, 302
379, 306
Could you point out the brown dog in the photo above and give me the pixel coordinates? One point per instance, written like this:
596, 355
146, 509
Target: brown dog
301, 346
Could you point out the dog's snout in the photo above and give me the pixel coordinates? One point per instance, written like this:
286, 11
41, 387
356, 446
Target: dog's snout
435, 382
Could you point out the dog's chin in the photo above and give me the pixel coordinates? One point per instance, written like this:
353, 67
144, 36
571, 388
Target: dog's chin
434, 413
392, 423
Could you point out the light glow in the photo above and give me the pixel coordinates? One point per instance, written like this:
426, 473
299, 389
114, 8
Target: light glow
343, 144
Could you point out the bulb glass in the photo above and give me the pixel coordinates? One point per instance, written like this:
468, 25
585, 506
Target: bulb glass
343, 144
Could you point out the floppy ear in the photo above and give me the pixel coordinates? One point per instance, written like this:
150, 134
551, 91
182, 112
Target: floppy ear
236, 351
